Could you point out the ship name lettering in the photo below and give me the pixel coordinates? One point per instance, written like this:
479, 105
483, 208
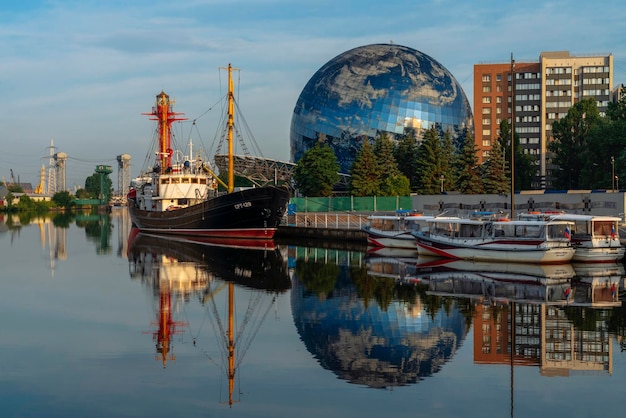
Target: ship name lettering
243, 205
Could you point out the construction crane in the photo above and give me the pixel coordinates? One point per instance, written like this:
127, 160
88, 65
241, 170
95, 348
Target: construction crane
12, 177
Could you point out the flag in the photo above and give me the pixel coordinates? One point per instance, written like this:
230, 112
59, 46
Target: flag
567, 233
612, 231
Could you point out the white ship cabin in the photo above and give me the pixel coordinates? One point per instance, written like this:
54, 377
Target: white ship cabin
549, 231
398, 223
181, 186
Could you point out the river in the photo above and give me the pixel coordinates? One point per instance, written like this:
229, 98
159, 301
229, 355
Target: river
99, 321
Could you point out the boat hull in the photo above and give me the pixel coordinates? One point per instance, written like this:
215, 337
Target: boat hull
528, 252
252, 213
400, 240
598, 254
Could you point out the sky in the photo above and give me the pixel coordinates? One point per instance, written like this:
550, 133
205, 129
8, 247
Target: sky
80, 73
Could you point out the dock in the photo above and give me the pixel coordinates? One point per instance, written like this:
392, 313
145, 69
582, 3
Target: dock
324, 226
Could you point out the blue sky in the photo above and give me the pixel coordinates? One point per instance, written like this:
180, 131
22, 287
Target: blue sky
81, 72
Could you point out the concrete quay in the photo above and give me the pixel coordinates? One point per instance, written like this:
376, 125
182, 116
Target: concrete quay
323, 227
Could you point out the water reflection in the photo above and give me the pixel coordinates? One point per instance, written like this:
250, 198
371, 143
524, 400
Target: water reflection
368, 329
177, 269
555, 317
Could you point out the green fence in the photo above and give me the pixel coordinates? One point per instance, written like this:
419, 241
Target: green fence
350, 204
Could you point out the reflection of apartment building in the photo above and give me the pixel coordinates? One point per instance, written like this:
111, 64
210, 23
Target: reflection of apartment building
542, 336
544, 91
493, 336
567, 350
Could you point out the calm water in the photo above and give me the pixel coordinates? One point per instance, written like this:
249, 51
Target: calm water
100, 323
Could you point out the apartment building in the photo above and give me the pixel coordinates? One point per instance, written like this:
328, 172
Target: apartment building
539, 93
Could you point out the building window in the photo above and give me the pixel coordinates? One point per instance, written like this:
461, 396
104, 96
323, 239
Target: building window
486, 111
486, 89
486, 78
486, 99
486, 142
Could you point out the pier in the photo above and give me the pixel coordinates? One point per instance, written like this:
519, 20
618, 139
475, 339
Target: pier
324, 226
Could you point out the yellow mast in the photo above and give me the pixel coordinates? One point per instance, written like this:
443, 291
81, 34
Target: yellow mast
231, 125
231, 342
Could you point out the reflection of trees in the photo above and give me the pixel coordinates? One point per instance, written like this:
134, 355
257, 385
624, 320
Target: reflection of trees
317, 277
98, 229
63, 220
585, 319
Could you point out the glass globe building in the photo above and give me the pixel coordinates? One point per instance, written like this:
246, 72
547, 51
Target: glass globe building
374, 89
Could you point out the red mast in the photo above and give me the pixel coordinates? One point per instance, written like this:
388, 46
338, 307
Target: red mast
164, 115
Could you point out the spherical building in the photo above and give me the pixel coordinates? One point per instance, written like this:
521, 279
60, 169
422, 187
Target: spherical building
374, 89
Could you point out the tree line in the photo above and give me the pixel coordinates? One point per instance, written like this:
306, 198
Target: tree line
586, 152
432, 166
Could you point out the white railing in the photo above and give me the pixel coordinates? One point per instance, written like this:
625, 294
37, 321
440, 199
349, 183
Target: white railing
326, 220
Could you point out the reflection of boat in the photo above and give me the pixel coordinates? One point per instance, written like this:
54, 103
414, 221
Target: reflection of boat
394, 230
598, 285
179, 195
504, 241
505, 282
402, 269
178, 266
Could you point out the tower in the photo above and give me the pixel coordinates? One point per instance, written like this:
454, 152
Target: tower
123, 175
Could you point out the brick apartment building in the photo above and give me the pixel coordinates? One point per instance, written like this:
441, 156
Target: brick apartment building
539, 93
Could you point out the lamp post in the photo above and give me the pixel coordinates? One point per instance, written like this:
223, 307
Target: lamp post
442, 178
612, 173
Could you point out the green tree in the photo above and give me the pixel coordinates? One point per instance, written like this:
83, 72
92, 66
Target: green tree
617, 110
469, 181
365, 172
92, 186
604, 155
82, 194
392, 181
64, 199
317, 171
569, 142
448, 162
396, 185
495, 179
15, 188
524, 163
406, 157
429, 163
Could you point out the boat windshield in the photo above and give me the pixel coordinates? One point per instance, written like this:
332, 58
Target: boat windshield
559, 231
515, 230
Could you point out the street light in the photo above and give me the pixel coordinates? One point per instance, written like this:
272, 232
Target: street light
613, 173
442, 178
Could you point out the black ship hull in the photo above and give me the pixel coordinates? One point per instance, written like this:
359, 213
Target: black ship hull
252, 213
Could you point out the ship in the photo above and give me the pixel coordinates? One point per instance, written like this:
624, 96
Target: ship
179, 194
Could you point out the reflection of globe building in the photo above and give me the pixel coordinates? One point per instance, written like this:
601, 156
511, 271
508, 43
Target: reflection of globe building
373, 89
368, 345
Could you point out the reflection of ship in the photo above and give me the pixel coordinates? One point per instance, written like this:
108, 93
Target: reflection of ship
598, 285
177, 267
504, 282
254, 263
